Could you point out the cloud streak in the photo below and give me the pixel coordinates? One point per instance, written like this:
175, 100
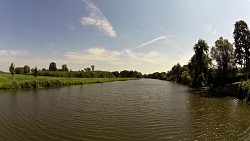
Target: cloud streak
4, 53
97, 19
151, 42
103, 55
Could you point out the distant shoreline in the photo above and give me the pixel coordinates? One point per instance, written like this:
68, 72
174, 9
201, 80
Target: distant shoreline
29, 81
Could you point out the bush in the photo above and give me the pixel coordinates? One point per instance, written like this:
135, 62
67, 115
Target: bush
15, 85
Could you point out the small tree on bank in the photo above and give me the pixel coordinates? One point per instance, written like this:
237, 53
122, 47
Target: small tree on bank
12, 69
35, 72
93, 67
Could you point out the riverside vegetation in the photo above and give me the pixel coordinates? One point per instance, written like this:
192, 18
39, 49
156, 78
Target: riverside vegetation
28, 81
224, 68
24, 77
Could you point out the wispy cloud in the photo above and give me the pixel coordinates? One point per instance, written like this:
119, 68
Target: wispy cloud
211, 29
97, 19
94, 55
4, 53
71, 27
151, 42
127, 55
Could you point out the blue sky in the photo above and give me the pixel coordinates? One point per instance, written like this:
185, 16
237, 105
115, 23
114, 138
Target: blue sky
142, 35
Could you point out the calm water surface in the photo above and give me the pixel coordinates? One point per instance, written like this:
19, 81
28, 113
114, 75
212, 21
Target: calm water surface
132, 110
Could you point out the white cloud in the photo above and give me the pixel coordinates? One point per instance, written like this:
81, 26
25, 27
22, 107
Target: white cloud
151, 42
97, 19
153, 57
94, 55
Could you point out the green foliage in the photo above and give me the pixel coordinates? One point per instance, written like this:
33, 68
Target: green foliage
52, 66
77, 74
64, 67
19, 70
35, 72
26, 69
201, 63
130, 74
241, 39
12, 69
223, 54
27, 81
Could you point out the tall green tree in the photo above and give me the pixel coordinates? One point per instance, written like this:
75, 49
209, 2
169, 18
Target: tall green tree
35, 72
12, 69
52, 66
201, 63
242, 46
223, 54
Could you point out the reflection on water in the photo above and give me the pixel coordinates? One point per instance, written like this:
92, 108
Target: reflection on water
132, 110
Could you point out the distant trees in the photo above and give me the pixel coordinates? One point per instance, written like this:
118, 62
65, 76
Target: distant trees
132, 74
64, 67
12, 69
35, 72
87, 69
19, 70
52, 66
92, 67
26, 69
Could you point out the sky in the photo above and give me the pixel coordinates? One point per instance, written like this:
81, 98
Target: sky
113, 35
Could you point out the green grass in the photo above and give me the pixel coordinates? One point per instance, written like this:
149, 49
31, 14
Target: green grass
28, 81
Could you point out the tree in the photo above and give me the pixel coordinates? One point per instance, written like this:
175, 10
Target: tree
176, 72
35, 72
241, 40
64, 67
12, 69
52, 66
87, 69
201, 63
92, 67
26, 69
19, 70
223, 54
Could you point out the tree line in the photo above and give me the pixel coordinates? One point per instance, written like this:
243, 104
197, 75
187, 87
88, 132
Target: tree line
221, 64
64, 71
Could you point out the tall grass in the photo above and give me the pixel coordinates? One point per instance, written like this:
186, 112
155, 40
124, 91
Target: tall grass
28, 81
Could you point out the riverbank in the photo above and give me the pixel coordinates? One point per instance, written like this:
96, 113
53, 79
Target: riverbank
237, 89
28, 81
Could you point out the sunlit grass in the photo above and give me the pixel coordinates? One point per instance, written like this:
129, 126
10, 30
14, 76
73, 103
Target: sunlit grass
28, 81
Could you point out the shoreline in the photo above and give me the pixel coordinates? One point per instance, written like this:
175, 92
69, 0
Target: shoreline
28, 81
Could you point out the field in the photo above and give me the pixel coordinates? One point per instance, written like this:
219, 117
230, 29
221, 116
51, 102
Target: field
28, 81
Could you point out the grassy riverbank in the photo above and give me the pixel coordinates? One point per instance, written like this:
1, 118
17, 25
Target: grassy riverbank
28, 81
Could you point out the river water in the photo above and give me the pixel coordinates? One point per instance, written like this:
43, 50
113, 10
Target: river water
134, 110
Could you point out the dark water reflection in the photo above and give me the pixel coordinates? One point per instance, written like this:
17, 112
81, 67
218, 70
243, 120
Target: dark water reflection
133, 110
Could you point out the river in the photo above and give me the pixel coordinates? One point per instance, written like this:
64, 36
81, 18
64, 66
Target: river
133, 110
